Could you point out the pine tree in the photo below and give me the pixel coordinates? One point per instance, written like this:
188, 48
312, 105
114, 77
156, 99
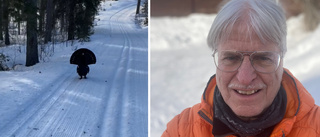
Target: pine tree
32, 42
16, 12
49, 21
6, 21
71, 18
61, 13
42, 11
1, 19
84, 19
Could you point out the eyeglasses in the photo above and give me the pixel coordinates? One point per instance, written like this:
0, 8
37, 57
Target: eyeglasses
262, 61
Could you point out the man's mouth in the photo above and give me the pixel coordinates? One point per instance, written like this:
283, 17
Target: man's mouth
249, 92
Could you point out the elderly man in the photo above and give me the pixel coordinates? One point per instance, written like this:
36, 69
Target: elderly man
251, 93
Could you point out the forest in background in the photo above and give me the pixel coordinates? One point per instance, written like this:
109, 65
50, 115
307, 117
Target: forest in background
38, 24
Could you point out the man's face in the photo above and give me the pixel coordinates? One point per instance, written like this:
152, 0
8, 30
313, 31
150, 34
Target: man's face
246, 78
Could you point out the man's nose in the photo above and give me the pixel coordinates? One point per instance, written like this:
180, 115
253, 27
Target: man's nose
246, 73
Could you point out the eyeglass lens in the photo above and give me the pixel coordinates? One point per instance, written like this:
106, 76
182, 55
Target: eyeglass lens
262, 61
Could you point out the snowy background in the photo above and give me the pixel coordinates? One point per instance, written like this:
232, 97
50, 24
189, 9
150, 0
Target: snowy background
49, 99
181, 63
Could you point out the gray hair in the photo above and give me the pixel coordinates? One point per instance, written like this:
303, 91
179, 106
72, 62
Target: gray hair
263, 17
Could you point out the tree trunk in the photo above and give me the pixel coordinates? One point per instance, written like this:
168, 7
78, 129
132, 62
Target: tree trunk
71, 17
138, 7
62, 26
6, 21
49, 21
1, 19
19, 27
32, 42
42, 15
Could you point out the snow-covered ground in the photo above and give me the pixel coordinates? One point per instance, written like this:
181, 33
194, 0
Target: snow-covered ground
49, 99
181, 63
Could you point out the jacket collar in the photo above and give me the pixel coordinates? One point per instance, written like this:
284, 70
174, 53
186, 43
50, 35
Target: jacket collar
299, 103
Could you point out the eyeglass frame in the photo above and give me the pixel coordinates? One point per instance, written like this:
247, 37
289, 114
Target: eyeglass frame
248, 53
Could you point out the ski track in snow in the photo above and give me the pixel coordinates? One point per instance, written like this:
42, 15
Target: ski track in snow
113, 101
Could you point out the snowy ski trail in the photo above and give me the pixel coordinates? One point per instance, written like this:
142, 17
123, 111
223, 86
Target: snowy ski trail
112, 101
